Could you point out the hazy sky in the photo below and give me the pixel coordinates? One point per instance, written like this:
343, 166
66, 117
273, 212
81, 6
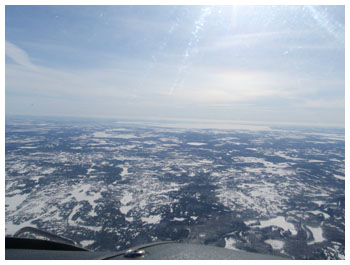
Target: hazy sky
256, 63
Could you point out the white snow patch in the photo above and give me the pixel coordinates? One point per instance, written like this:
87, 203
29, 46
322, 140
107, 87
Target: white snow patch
280, 169
250, 222
263, 198
48, 171
230, 243
339, 177
152, 219
127, 147
178, 219
279, 221
127, 197
79, 191
93, 228
317, 233
92, 213
36, 178
319, 203
14, 192
133, 158
275, 244
106, 135
66, 199
125, 209
196, 144
80, 194
13, 202
86, 243
253, 149
124, 172
75, 209
206, 161
284, 155
317, 212
129, 219
90, 170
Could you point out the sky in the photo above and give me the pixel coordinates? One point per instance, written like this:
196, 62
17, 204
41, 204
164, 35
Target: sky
264, 64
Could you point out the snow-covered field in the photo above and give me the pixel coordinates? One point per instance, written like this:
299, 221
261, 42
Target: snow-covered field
94, 181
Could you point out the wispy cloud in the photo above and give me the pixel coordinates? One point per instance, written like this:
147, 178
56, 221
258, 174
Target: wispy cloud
332, 27
324, 103
18, 55
239, 40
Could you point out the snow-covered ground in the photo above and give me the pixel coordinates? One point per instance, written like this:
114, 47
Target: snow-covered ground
144, 174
